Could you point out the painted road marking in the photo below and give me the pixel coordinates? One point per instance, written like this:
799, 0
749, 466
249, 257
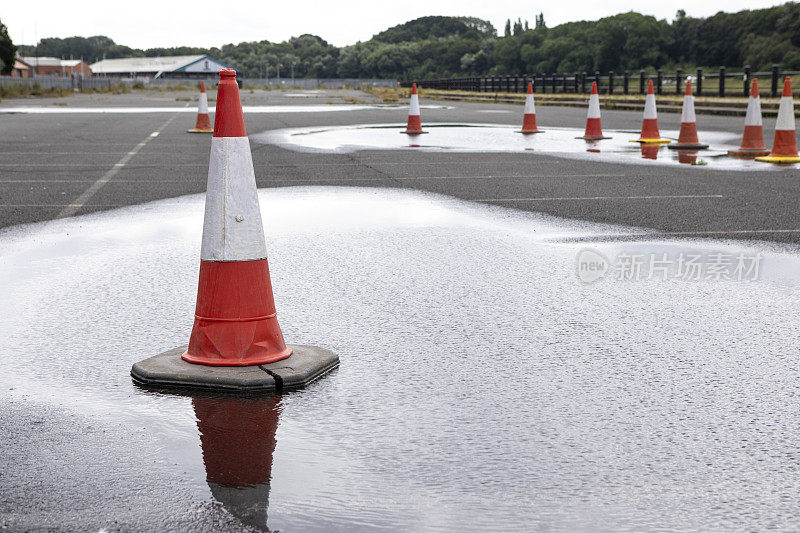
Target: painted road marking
589, 198
81, 200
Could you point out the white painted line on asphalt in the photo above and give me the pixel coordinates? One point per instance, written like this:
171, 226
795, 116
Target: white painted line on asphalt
154, 134
508, 177
585, 198
81, 200
728, 232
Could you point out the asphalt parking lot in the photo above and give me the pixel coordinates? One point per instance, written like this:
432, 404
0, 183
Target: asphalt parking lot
62, 164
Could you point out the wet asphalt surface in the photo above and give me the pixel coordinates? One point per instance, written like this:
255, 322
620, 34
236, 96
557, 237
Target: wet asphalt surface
48, 161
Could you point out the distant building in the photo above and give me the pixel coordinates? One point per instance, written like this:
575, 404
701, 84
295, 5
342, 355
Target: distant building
76, 67
21, 69
44, 66
159, 67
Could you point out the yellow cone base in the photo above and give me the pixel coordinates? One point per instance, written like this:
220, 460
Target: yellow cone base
778, 159
194, 130
585, 138
650, 141
530, 132
748, 153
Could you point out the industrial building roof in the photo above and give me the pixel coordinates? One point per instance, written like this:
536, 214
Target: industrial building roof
142, 65
42, 61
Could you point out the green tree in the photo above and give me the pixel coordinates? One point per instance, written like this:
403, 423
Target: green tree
8, 51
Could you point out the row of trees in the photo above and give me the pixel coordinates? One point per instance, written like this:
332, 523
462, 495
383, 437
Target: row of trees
431, 47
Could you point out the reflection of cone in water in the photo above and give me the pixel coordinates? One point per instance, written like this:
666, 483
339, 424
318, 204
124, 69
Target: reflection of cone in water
529, 113
687, 139
594, 130
753, 137
687, 157
650, 133
784, 147
235, 321
414, 125
203, 124
237, 437
650, 151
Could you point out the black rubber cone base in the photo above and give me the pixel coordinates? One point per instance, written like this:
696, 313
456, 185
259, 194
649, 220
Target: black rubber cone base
687, 146
169, 371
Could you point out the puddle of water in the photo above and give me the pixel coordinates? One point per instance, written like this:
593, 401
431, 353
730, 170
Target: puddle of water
560, 142
327, 108
483, 385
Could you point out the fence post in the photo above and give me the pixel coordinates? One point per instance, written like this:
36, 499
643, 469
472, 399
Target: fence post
564, 83
597, 80
775, 76
641, 82
611, 82
721, 81
575, 83
699, 81
626, 78
583, 82
746, 87
678, 78
659, 81
554, 76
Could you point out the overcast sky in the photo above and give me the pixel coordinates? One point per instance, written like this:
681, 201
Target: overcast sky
151, 23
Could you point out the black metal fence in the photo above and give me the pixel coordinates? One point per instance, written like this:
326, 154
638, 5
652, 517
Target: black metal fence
721, 83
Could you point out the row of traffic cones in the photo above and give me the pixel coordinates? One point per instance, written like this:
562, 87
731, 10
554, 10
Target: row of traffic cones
784, 149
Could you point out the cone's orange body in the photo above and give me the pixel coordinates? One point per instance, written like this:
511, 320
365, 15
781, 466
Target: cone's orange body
414, 123
594, 130
753, 138
529, 123
235, 321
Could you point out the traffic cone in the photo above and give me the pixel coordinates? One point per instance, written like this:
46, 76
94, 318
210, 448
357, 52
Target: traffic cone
650, 133
235, 322
687, 138
414, 126
529, 113
203, 124
753, 137
784, 147
594, 132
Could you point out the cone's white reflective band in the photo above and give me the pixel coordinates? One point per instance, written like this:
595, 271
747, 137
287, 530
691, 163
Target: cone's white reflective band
650, 106
753, 116
594, 107
785, 114
232, 229
202, 106
687, 115
530, 108
413, 109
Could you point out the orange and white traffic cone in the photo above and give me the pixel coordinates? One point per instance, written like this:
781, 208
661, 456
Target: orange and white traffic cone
414, 126
784, 147
529, 113
203, 124
235, 321
687, 138
594, 132
650, 133
753, 137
